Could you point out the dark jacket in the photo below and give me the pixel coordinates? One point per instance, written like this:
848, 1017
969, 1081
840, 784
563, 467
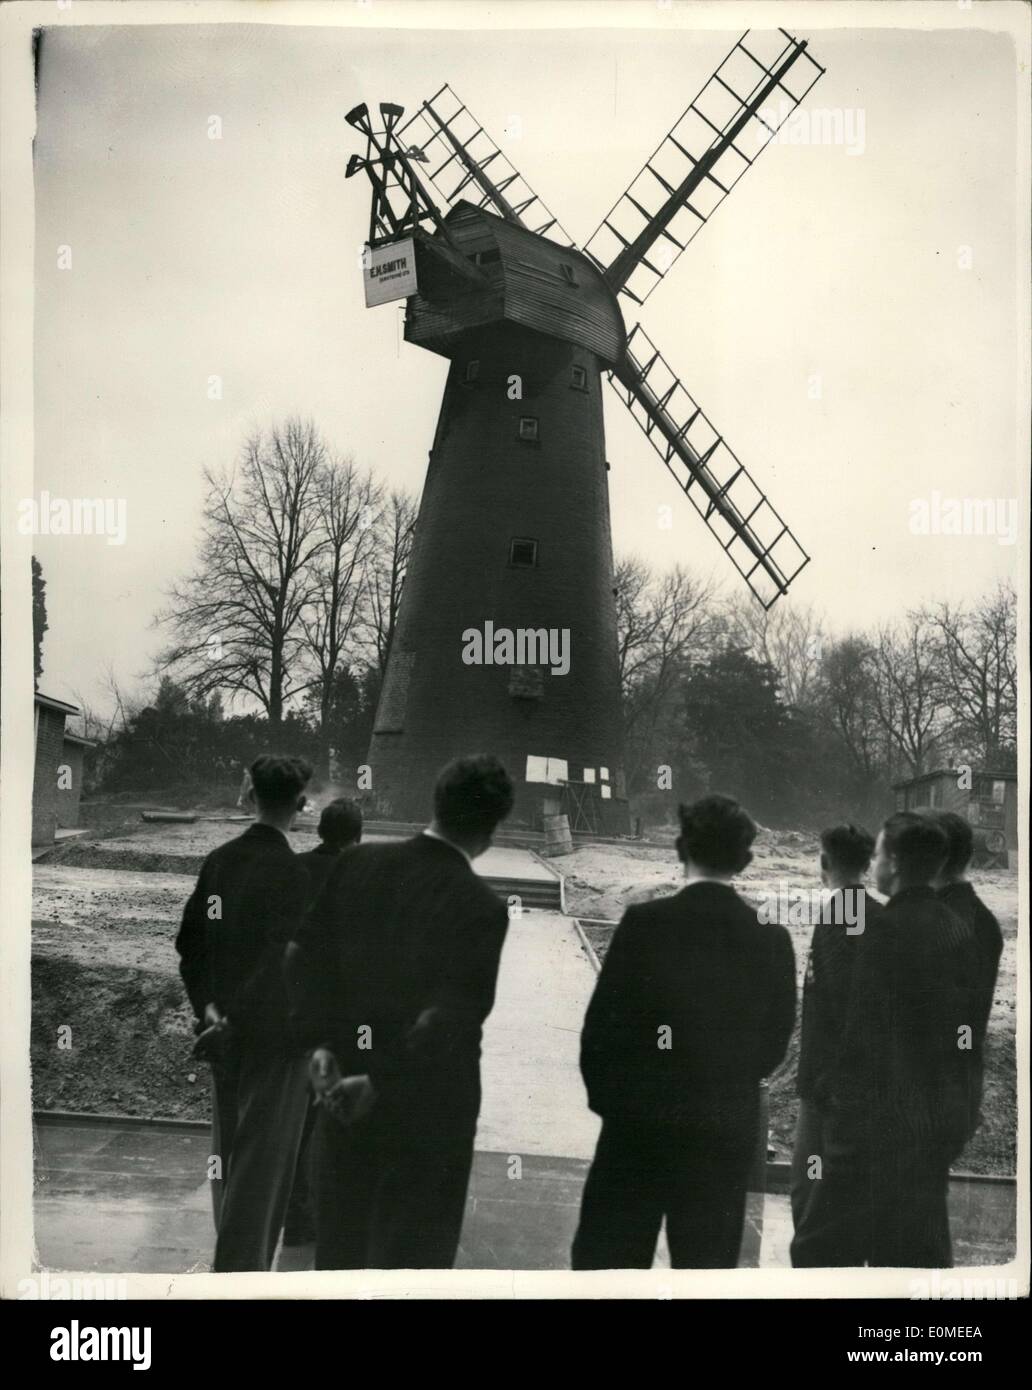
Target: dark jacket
905, 1080
249, 901
701, 965
404, 941
834, 949
964, 902
319, 863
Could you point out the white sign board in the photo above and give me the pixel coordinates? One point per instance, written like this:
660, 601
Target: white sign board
389, 272
550, 770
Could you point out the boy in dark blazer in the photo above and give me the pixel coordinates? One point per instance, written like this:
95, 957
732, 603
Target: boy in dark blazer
340, 828
249, 901
834, 949
694, 1006
899, 1110
392, 978
953, 888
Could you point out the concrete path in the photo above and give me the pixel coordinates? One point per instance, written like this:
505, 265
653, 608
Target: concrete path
114, 1199
533, 1097
504, 861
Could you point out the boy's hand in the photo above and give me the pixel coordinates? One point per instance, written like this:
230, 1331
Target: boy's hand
350, 1100
323, 1071
214, 1036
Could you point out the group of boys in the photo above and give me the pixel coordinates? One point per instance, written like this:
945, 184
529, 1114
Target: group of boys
695, 1004
340, 997
891, 1062
341, 994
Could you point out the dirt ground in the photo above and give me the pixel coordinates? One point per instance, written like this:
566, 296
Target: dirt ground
106, 910
104, 967
111, 1029
602, 880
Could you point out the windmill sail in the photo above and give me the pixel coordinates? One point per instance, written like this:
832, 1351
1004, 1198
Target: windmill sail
721, 134
723, 492
466, 163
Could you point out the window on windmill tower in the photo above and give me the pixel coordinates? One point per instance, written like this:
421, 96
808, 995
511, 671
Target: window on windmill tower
523, 553
579, 378
472, 371
567, 272
528, 431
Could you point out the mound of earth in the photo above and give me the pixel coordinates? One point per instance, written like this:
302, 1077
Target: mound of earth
114, 1040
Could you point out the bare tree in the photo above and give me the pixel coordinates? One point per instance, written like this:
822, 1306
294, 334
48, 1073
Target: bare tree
101, 726
632, 578
980, 673
393, 532
908, 691
347, 507
848, 699
236, 621
789, 637
661, 620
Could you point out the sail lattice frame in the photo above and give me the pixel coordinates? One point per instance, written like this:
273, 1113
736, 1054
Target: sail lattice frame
721, 489
707, 123
464, 162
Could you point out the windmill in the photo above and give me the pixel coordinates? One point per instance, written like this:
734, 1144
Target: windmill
513, 535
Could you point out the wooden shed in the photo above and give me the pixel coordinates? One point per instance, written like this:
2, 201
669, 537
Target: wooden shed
989, 800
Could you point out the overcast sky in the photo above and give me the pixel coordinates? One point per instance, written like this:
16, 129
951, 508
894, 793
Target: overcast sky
238, 257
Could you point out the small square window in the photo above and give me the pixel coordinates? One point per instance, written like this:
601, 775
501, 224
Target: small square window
603, 772
528, 428
566, 271
472, 371
523, 553
607, 794
579, 378
589, 774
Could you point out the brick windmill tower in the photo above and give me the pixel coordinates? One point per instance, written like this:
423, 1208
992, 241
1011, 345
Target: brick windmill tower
506, 640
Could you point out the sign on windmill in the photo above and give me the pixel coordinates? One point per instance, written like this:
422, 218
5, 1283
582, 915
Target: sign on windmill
389, 272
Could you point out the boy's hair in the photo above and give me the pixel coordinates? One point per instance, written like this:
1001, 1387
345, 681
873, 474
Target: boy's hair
918, 844
341, 822
716, 833
848, 847
472, 795
279, 781
960, 840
